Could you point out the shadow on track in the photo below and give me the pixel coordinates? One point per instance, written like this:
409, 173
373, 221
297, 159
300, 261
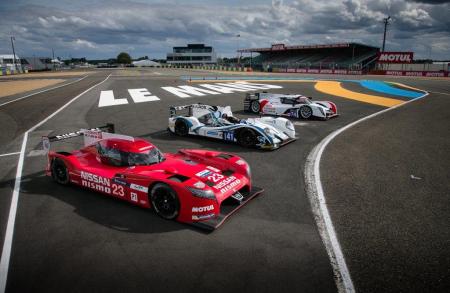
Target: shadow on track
104, 210
198, 142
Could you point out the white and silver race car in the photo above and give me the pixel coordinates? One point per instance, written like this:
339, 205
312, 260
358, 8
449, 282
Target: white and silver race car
296, 106
219, 123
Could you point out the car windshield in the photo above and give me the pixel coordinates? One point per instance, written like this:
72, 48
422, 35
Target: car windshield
116, 157
304, 100
153, 156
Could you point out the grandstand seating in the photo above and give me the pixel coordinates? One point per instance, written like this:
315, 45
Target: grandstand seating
344, 56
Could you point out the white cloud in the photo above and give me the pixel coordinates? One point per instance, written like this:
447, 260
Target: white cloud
416, 17
79, 44
149, 29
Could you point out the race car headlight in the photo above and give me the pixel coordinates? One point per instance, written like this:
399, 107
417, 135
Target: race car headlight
202, 193
246, 165
321, 111
289, 125
249, 171
268, 131
241, 162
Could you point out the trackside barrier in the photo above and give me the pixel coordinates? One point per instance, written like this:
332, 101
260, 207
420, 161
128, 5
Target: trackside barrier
216, 67
318, 71
360, 72
412, 73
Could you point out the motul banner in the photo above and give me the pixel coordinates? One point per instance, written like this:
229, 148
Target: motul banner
395, 57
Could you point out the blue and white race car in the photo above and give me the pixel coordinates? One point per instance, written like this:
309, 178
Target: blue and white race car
218, 122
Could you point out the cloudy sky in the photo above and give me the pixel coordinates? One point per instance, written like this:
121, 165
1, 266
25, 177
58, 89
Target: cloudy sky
103, 28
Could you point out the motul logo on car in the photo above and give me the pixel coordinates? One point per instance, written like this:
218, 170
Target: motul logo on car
202, 209
395, 57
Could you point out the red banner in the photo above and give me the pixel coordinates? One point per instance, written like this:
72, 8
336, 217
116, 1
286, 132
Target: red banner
395, 57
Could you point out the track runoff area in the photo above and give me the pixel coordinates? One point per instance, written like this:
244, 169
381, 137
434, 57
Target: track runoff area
59, 238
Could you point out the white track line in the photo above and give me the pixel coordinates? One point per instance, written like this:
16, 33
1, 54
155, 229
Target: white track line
316, 196
7, 245
447, 94
9, 154
43, 91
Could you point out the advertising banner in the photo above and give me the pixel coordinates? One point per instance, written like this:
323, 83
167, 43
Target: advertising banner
413, 73
320, 71
395, 57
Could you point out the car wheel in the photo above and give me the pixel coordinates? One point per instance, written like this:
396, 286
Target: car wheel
254, 106
165, 201
305, 112
59, 172
181, 128
246, 138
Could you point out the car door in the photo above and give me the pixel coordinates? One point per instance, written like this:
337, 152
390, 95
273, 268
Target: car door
286, 107
98, 173
210, 127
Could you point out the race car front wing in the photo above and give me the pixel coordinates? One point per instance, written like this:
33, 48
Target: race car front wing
227, 208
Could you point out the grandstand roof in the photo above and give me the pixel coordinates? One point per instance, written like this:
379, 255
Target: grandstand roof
283, 47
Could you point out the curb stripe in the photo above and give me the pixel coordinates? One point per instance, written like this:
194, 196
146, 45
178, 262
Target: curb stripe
385, 88
335, 88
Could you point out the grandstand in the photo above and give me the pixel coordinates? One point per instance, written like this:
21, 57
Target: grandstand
349, 56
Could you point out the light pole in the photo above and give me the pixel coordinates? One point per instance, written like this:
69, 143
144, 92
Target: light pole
53, 59
14, 53
386, 23
237, 57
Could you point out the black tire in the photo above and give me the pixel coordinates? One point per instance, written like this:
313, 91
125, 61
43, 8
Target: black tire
254, 106
247, 138
59, 172
165, 201
305, 112
181, 128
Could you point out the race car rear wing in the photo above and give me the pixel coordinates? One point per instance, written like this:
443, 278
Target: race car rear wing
173, 109
90, 135
109, 127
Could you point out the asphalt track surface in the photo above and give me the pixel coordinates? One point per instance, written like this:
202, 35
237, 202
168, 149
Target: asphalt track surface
70, 239
391, 208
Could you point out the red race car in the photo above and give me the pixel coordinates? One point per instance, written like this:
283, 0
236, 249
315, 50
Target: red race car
198, 187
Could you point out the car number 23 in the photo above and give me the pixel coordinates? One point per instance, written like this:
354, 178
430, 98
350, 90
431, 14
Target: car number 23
117, 190
215, 177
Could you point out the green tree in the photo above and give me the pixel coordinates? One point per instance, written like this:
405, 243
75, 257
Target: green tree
124, 58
